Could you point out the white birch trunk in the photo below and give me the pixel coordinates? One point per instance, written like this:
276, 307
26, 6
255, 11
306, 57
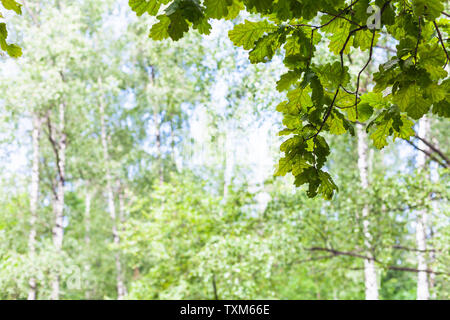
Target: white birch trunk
422, 278
34, 196
370, 272
122, 214
58, 230
111, 206
432, 257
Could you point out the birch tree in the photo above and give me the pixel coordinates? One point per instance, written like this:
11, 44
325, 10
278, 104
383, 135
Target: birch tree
34, 196
370, 272
121, 291
422, 217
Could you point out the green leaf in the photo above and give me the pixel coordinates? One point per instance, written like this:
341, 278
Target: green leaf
375, 100
332, 75
12, 5
259, 5
217, 9
339, 30
363, 39
365, 111
266, 47
3, 33
431, 9
442, 108
436, 92
292, 121
178, 26
321, 150
411, 100
233, 10
432, 59
284, 166
288, 79
13, 50
336, 125
299, 100
203, 26
379, 136
245, 35
298, 165
406, 129
291, 143
160, 30
327, 187
143, 6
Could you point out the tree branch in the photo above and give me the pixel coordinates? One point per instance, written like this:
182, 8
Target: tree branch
442, 42
427, 153
356, 255
327, 115
54, 147
361, 71
434, 148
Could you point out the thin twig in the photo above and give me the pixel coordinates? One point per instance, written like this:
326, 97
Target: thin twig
442, 43
427, 153
327, 115
362, 70
434, 148
418, 40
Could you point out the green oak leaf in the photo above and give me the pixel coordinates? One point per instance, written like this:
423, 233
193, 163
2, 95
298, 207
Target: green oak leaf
442, 108
13, 50
217, 9
336, 125
380, 135
406, 129
327, 186
410, 99
288, 79
178, 26
143, 6
332, 75
12, 5
299, 100
431, 9
160, 30
245, 35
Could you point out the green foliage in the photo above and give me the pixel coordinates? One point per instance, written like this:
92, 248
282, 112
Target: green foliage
406, 87
11, 49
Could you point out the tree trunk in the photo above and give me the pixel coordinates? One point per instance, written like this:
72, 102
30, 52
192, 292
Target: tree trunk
34, 197
432, 257
422, 277
370, 272
58, 230
122, 195
111, 205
